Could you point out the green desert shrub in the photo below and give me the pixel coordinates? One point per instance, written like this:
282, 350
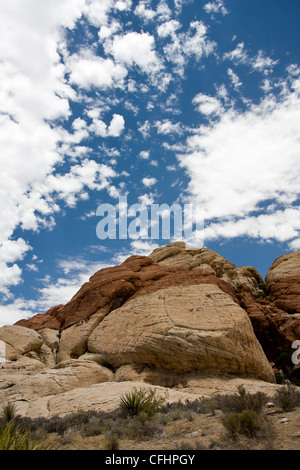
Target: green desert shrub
140, 427
287, 397
248, 423
94, 427
240, 401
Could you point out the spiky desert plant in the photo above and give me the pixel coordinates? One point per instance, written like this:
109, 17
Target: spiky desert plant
8, 412
12, 439
141, 400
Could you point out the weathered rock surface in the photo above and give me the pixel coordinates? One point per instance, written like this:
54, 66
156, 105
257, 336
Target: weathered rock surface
269, 305
180, 255
284, 266
68, 376
19, 341
283, 282
267, 321
183, 329
110, 288
275, 316
73, 341
44, 320
99, 397
50, 337
106, 396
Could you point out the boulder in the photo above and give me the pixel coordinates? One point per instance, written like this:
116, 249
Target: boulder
73, 341
207, 262
19, 341
283, 282
43, 320
269, 305
248, 276
285, 266
182, 329
55, 381
180, 255
51, 337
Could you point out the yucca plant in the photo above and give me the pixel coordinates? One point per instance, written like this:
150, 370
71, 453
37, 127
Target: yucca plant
138, 401
12, 439
8, 412
133, 402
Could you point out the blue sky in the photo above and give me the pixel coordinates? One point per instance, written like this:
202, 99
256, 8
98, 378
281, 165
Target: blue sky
161, 101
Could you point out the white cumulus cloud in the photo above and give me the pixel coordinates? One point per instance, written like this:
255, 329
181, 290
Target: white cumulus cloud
207, 104
244, 160
149, 181
94, 71
134, 49
115, 128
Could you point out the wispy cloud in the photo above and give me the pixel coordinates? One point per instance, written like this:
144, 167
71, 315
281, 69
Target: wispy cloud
167, 127
184, 46
234, 79
93, 105
216, 6
259, 62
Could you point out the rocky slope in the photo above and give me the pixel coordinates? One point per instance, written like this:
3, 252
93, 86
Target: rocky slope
176, 318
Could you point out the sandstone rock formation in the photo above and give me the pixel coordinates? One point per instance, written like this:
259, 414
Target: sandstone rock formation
169, 318
57, 380
183, 329
19, 341
110, 288
180, 255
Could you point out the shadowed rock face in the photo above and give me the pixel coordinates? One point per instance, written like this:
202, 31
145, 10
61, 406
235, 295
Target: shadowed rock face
274, 328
